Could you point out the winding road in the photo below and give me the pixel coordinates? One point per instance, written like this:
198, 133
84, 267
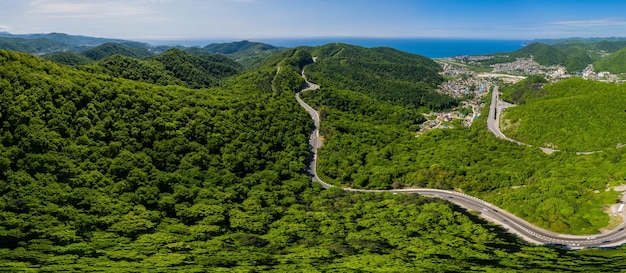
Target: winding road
489, 212
493, 124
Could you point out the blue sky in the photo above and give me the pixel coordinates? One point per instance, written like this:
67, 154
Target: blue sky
256, 19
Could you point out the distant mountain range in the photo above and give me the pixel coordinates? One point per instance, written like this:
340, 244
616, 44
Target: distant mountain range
575, 55
76, 49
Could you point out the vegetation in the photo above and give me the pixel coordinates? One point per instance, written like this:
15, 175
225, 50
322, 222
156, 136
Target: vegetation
198, 71
110, 49
238, 47
361, 151
71, 40
575, 115
38, 46
69, 58
100, 173
135, 69
249, 54
382, 73
578, 59
613, 63
573, 56
541, 53
524, 90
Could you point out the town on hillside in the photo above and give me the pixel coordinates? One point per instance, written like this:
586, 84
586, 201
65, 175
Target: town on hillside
466, 83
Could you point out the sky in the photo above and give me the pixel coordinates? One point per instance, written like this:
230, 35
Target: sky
257, 19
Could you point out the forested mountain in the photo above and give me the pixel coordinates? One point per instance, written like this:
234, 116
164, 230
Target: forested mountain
99, 173
197, 71
600, 44
149, 71
249, 54
58, 42
574, 115
577, 59
68, 58
381, 73
543, 54
614, 62
59, 46
72, 40
110, 49
610, 46
522, 91
35, 46
574, 55
238, 47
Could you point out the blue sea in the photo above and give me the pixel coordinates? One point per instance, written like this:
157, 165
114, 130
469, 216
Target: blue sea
432, 48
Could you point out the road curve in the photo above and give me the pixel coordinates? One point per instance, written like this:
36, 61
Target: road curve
314, 140
493, 124
490, 212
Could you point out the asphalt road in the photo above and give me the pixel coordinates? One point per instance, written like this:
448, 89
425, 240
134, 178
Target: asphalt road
510, 222
314, 140
493, 123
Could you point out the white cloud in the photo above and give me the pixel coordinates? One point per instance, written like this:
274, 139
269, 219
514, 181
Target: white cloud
84, 9
603, 22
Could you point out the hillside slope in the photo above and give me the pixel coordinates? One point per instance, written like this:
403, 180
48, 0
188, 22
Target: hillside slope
102, 174
198, 71
149, 71
574, 115
543, 54
383, 73
109, 49
249, 54
613, 63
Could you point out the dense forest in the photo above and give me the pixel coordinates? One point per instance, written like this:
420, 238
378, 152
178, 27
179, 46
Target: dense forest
613, 63
526, 89
101, 173
560, 192
574, 115
382, 73
109, 49
574, 57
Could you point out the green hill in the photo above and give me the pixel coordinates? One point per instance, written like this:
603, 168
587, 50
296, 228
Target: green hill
110, 49
614, 63
383, 73
524, 90
238, 47
574, 115
73, 40
68, 58
35, 46
99, 173
543, 54
249, 54
136, 69
577, 59
610, 46
198, 71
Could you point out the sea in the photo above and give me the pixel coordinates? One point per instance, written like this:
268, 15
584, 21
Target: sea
431, 47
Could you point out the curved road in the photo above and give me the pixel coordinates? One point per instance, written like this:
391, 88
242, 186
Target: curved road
493, 124
510, 222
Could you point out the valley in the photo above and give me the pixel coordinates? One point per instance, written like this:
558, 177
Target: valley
185, 160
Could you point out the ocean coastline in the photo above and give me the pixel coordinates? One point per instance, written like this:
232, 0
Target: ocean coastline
429, 47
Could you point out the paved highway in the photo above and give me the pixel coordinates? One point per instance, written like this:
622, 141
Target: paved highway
510, 222
493, 124
314, 140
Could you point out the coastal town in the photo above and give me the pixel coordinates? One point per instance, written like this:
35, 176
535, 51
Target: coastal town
464, 85
470, 86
